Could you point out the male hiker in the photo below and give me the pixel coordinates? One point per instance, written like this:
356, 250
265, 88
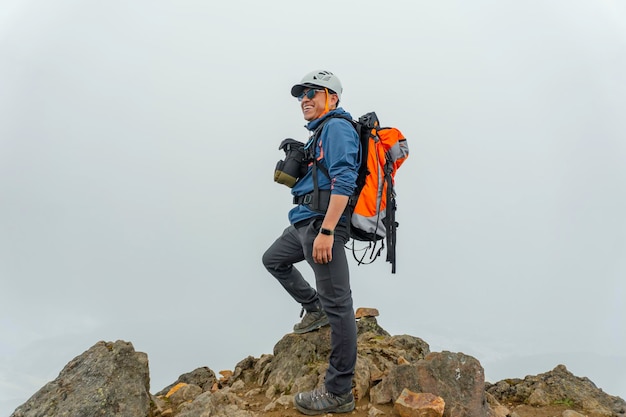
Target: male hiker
317, 234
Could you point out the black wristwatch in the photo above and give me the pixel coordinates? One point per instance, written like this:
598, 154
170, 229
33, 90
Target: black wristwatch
327, 232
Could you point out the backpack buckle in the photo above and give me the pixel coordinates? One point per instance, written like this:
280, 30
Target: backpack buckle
303, 199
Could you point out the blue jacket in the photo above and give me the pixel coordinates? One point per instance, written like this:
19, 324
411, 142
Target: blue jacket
336, 148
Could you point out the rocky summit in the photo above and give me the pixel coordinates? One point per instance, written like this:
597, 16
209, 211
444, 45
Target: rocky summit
395, 376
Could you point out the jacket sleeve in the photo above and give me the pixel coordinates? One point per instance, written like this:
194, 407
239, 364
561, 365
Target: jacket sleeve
340, 144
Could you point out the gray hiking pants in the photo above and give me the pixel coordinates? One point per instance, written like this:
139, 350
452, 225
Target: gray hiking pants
333, 292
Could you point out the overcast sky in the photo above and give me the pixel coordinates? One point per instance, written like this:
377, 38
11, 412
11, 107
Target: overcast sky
138, 142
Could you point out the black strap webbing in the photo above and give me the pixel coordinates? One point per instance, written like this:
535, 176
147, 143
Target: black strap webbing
390, 216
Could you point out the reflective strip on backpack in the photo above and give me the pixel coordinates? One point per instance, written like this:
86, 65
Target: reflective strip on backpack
368, 228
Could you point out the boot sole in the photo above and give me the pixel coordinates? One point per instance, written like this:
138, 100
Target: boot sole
345, 408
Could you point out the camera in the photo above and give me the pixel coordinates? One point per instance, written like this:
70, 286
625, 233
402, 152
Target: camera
294, 166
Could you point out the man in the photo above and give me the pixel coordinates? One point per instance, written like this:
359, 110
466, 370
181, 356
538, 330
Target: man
317, 234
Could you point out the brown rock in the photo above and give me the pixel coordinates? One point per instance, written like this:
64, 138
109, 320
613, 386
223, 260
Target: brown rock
225, 375
366, 312
185, 393
362, 377
402, 361
175, 388
572, 413
375, 412
496, 409
202, 377
411, 404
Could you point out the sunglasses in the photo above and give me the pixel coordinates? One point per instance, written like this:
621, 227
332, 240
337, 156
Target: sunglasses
309, 94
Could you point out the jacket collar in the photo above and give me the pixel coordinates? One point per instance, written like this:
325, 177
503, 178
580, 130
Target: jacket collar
314, 124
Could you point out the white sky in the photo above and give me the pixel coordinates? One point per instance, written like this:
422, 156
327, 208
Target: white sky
137, 148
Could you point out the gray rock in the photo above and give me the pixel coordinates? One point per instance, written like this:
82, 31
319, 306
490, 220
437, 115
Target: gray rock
186, 393
558, 386
399, 378
252, 370
202, 377
298, 361
217, 404
370, 325
385, 356
109, 379
458, 378
385, 352
495, 408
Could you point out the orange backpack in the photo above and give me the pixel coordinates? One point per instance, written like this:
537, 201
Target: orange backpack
373, 205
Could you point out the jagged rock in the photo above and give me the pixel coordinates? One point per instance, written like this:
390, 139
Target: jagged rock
299, 359
252, 392
499, 411
202, 377
375, 412
272, 406
186, 393
495, 408
458, 378
283, 402
399, 378
221, 403
252, 370
409, 348
558, 386
571, 413
365, 312
370, 325
85, 386
175, 388
362, 377
159, 405
413, 404
384, 352
538, 398
113, 379
238, 386
226, 375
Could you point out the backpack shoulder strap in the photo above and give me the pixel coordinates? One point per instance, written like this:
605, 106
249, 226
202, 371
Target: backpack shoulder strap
316, 133
310, 155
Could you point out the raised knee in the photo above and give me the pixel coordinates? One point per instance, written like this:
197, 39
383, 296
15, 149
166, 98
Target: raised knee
266, 260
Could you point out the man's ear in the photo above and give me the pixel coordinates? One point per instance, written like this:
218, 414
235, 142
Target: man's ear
334, 99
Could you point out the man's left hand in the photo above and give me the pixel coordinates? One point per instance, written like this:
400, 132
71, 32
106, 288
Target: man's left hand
323, 249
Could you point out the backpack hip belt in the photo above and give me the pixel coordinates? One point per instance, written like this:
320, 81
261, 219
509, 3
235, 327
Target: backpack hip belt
319, 204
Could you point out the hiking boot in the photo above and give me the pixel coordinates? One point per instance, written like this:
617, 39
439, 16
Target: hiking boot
312, 320
320, 401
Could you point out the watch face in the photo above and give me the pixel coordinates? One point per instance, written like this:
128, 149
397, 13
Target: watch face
326, 231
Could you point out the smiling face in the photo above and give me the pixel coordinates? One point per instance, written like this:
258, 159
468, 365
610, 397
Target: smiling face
313, 103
